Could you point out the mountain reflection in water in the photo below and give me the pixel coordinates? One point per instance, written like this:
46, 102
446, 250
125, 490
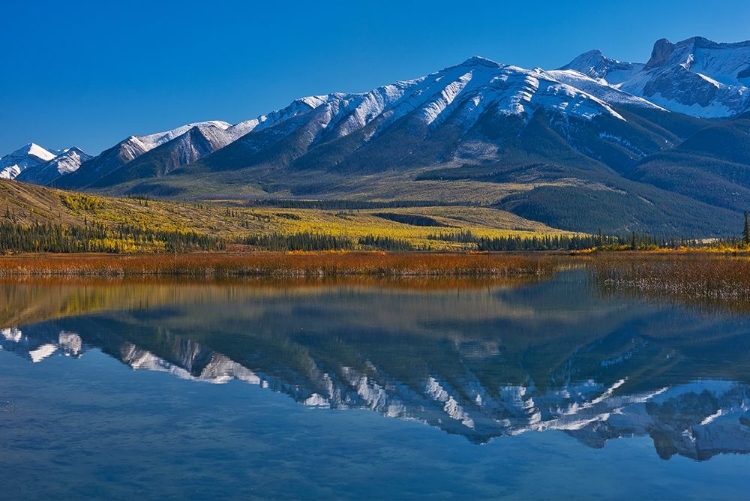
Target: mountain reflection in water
483, 362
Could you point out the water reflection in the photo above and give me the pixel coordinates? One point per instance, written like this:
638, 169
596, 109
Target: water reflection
486, 361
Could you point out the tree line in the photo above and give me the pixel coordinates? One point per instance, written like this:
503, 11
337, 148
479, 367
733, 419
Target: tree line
96, 237
600, 241
307, 241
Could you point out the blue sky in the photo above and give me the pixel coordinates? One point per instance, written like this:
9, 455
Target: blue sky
90, 73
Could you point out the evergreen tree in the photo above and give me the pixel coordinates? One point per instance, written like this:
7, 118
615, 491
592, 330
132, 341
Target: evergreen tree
746, 231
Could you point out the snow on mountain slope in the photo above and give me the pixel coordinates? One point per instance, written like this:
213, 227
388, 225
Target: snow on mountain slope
135, 146
696, 76
46, 173
599, 88
727, 63
15, 163
461, 94
194, 144
478, 85
464, 111
188, 147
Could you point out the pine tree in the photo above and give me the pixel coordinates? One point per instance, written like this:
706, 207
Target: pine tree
746, 231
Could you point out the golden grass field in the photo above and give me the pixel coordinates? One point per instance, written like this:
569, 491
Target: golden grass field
25, 204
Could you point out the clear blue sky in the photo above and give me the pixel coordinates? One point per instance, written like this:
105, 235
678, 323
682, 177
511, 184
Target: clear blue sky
90, 73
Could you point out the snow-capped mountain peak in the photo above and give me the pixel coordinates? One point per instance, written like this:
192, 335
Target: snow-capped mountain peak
15, 163
68, 161
135, 146
34, 149
481, 61
461, 95
696, 76
596, 65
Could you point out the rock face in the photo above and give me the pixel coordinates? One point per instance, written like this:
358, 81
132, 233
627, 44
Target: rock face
663, 48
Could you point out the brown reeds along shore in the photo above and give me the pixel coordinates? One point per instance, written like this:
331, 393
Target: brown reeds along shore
706, 276
271, 264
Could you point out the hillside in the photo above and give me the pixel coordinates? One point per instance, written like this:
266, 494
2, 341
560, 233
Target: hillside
26, 205
712, 166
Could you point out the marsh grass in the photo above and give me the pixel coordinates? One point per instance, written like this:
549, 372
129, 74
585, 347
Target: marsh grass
269, 264
698, 276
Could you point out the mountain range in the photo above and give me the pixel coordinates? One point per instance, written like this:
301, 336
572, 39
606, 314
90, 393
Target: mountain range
660, 146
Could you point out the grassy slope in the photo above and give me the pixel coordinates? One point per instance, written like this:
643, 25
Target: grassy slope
26, 203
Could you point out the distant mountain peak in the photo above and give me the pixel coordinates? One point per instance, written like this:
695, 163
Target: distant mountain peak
13, 164
37, 151
481, 61
596, 65
45, 173
315, 101
593, 53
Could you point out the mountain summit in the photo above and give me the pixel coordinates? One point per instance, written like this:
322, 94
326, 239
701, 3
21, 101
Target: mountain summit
596, 65
67, 162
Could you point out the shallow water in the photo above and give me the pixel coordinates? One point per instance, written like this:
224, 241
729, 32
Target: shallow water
552, 389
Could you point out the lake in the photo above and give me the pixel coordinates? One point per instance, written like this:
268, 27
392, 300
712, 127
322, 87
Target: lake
554, 388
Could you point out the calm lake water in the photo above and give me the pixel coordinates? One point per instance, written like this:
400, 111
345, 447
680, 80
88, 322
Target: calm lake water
551, 389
